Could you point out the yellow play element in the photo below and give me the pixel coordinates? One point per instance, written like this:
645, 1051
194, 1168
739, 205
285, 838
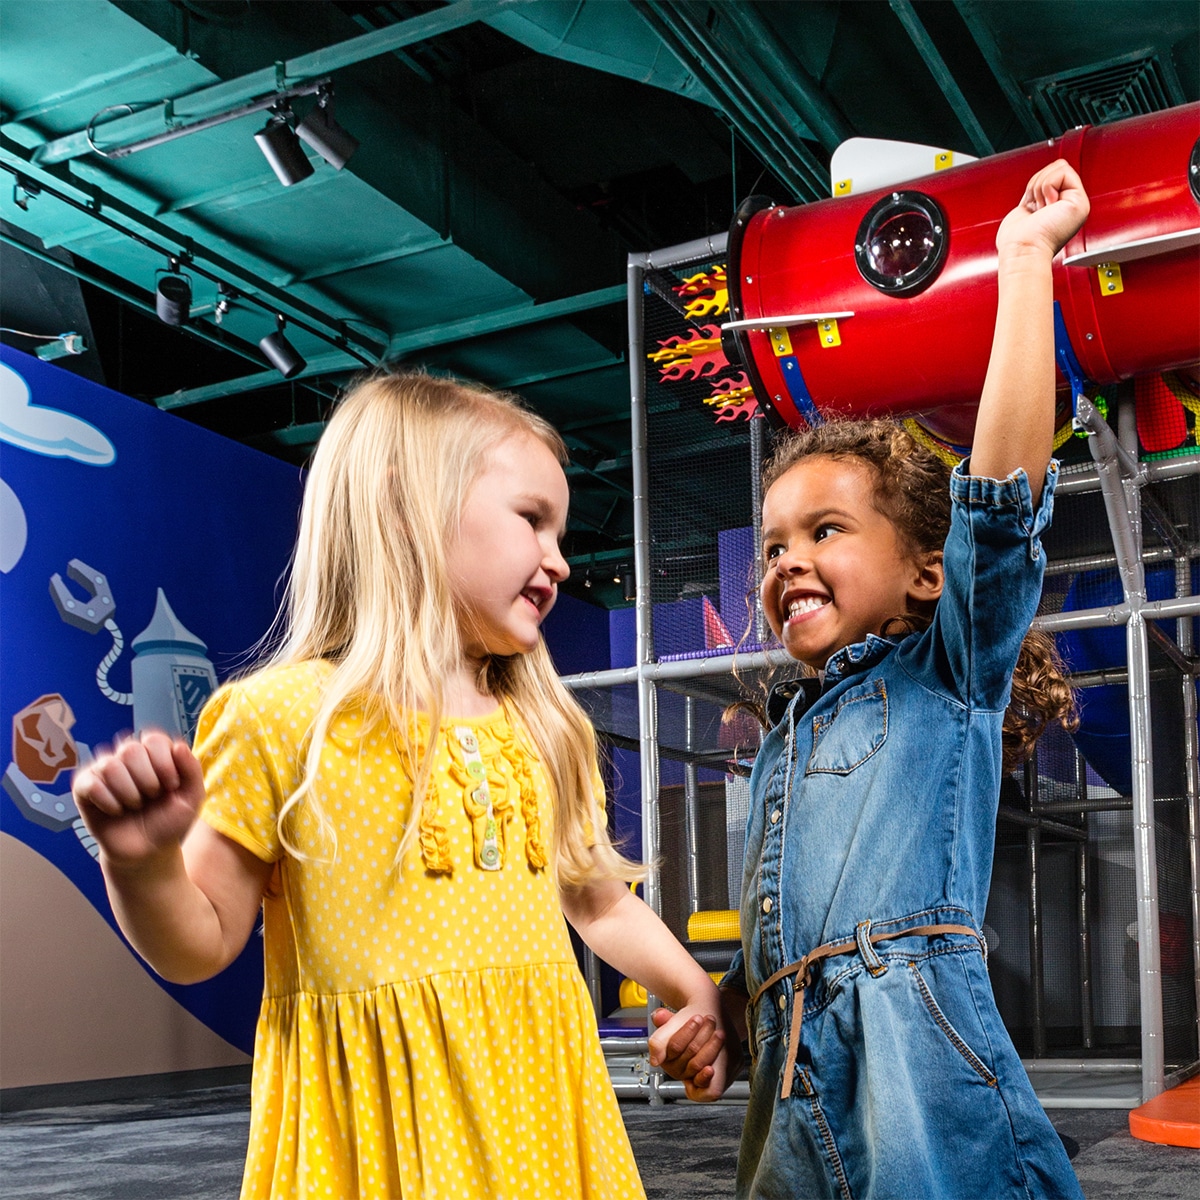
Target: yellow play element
718, 925
633, 995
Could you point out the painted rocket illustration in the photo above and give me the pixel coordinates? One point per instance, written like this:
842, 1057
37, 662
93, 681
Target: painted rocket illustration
171, 678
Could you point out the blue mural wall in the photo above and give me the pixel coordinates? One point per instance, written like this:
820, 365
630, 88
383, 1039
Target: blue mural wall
140, 560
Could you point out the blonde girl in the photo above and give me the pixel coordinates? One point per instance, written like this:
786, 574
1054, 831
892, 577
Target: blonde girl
411, 799
880, 1066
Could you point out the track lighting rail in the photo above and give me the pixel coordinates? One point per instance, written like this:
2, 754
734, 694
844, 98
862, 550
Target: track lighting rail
259, 104
219, 271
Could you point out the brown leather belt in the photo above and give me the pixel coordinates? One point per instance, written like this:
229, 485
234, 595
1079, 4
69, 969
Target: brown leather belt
802, 969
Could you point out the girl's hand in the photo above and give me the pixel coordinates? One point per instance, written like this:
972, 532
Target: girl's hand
1050, 213
141, 799
694, 1047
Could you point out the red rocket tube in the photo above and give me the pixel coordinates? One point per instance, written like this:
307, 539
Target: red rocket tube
921, 347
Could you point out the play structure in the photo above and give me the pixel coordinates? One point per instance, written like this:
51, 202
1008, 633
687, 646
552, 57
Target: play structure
880, 300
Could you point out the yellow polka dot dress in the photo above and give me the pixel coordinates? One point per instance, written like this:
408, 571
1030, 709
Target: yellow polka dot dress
424, 1033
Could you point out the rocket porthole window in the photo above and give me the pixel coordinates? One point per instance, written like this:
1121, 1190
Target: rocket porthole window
901, 243
1194, 171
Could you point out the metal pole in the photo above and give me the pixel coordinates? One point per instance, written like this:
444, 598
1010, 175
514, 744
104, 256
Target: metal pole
714, 245
1033, 845
757, 439
1191, 766
691, 806
644, 634
1073, 480
1122, 504
1086, 1022
591, 972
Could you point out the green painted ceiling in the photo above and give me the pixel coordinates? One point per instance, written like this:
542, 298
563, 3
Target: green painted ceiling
513, 153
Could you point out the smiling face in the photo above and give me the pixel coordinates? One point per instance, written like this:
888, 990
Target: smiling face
505, 564
834, 567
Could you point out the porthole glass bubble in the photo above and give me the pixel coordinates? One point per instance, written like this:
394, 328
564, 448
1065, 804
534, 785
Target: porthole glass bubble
901, 243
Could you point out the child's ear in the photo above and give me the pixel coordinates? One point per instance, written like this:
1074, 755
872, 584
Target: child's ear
929, 576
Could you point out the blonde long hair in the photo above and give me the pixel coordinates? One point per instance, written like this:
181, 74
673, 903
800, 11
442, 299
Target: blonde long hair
369, 594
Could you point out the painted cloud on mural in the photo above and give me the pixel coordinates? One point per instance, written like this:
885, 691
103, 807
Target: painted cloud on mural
47, 430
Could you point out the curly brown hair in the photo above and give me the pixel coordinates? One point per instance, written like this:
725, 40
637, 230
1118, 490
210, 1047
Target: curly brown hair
912, 489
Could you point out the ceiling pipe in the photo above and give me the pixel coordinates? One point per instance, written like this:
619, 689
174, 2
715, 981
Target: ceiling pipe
776, 59
942, 77
418, 339
979, 29
762, 118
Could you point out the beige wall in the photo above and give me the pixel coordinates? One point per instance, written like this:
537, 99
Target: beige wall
74, 1002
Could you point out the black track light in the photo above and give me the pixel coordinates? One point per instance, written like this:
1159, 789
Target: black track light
281, 148
325, 135
173, 296
281, 354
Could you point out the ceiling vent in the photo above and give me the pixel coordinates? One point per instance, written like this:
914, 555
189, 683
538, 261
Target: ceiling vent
1122, 87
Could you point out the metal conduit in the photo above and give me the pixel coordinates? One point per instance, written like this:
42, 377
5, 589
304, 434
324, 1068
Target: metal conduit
1084, 479
1120, 478
1191, 764
691, 801
644, 635
1033, 851
688, 668
1086, 1016
1093, 562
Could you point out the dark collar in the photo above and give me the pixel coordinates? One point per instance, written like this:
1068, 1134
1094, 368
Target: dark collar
782, 694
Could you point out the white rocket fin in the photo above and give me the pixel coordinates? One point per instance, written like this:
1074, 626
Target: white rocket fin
1162, 243
862, 164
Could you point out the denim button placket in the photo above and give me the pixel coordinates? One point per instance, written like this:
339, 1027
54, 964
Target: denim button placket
770, 910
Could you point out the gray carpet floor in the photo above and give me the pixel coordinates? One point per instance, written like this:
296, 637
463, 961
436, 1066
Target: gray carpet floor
189, 1146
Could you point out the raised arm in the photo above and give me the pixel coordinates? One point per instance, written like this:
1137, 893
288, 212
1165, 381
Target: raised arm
1015, 423
185, 896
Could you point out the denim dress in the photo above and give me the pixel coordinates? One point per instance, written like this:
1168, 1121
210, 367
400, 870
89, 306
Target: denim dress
870, 843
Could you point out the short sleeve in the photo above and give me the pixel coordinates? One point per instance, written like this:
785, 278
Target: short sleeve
241, 774
601, 795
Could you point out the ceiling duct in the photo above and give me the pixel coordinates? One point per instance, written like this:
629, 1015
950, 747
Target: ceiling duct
1129, 86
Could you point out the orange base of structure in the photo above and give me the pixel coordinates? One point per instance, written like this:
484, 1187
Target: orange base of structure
1172, 1118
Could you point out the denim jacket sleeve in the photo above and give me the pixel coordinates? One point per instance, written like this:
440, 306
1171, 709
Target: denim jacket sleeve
994, 563
735, 977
